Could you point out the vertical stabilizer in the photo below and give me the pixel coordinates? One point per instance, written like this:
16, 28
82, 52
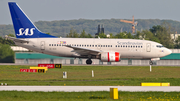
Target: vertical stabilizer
23, 26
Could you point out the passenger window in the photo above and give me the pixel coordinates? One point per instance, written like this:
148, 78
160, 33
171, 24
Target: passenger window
57, 44
75, 45
84, 45
116, 45
80, 45
52, 44
106, 45
49, 44
159, 46
95, 45
92, 45
87, 45
141, 46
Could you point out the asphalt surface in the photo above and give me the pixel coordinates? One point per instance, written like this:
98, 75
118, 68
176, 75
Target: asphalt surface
90, 88
85, 64
86, 88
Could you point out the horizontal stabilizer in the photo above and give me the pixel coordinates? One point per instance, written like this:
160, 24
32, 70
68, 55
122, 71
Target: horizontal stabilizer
16, 40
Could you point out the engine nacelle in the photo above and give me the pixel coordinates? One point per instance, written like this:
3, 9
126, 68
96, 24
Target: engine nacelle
110, 57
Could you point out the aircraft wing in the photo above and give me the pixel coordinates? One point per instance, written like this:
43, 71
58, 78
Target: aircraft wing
84, 51
17, 40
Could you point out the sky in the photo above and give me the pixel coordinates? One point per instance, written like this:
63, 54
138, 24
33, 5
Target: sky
50, 10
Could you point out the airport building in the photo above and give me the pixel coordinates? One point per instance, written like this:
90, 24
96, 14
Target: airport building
37, 58
174, 36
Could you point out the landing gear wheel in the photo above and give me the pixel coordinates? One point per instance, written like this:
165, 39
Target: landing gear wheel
150, 62
89, 61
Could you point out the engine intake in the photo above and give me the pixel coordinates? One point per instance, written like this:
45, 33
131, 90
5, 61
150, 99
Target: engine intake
110, 57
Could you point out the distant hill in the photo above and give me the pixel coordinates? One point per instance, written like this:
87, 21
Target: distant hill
62, 27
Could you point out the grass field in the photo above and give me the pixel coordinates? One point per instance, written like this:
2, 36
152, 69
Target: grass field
87, 96
81, 75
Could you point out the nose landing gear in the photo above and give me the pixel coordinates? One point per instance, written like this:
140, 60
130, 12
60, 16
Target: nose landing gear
151, 62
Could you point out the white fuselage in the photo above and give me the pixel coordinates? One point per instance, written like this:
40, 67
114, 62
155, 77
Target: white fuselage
128, 48
110, 50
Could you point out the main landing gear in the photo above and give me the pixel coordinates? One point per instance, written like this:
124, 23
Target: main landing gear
88, 61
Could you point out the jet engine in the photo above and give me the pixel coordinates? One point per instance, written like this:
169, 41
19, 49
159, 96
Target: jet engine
110, 57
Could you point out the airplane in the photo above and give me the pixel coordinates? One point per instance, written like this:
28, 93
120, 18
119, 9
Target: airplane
106, 50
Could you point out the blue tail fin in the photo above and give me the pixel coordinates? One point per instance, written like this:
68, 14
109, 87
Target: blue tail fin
23, 27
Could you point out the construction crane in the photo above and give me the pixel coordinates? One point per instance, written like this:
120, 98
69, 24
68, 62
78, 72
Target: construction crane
131, 22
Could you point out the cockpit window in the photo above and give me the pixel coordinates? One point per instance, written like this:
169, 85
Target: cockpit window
159, 46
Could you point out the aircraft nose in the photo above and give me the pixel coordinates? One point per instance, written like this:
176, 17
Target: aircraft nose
168, 51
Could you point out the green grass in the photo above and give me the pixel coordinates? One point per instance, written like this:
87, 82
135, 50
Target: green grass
81, 75
87, 96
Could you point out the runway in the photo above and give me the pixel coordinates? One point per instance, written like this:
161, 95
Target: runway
84, 64
90, 88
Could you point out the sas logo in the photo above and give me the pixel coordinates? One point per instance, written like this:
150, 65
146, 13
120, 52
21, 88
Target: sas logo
26, 31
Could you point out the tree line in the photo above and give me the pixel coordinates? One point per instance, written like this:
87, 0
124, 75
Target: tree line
62, 27
158, 33
6, 53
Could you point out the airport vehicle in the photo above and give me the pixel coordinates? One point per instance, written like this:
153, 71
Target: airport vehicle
107, 50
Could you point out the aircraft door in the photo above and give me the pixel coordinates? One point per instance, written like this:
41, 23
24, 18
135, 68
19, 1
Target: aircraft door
42, 45
148, 47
